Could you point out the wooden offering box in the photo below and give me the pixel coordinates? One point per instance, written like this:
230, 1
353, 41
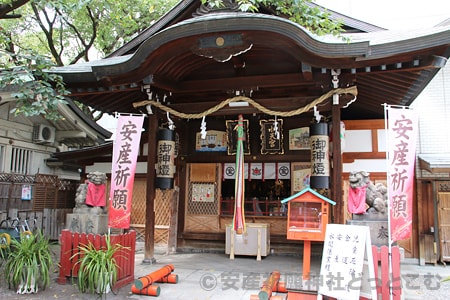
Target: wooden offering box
307, 215
256, 241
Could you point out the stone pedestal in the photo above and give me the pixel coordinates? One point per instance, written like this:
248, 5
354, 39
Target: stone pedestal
87, 222
378, 230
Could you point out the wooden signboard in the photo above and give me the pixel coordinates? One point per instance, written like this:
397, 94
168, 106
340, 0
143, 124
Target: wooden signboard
347, 270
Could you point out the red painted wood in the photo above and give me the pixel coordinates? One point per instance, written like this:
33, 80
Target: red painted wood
306, 259
70, 245
301, 296
376, 259
396, 276
77, 240
65, 265
381, 270
384, 272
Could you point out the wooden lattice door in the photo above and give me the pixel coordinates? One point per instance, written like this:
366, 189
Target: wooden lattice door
443, 207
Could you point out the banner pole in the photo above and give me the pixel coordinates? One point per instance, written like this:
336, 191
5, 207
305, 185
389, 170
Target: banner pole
388, 196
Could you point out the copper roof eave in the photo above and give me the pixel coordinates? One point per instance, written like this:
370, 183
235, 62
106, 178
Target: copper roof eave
353, 52
233, 22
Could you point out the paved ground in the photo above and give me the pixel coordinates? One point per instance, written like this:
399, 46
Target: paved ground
205, 276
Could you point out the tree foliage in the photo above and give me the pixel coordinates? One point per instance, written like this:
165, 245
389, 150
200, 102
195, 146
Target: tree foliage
8, 6
298, 11
62, 32
36, 91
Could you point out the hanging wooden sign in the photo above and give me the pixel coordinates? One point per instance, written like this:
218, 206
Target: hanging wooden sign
271, 136
232, 137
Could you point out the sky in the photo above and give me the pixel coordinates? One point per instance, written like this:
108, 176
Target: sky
393, 14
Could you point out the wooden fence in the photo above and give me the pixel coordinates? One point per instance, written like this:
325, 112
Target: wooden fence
50, 221
47, 191
71, 241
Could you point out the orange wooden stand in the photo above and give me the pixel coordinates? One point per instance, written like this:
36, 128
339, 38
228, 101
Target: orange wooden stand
306, 259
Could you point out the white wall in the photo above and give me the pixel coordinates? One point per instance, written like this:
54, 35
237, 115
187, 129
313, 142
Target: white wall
433, 105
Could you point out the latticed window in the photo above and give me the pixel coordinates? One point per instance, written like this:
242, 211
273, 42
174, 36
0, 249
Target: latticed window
203, 196
20, 160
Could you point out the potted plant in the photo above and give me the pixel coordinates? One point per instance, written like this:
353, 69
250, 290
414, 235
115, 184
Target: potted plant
98, 268
28, 263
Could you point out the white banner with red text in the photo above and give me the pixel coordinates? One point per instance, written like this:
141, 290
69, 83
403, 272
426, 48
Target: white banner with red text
402, 137
125, 151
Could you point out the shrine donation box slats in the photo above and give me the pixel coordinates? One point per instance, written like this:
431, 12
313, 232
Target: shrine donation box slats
255, 242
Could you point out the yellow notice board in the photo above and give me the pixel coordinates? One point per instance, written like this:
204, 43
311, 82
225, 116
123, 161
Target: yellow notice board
347, 270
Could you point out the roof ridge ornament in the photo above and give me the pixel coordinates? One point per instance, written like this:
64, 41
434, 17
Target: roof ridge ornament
222, 47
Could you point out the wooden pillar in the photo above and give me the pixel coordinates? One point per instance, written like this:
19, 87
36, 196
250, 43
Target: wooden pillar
337, 164
149, 247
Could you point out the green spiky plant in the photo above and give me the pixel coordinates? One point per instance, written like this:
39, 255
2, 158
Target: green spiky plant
28, 263
97, 267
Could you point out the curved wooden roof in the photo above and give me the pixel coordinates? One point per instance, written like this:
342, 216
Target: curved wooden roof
200, 61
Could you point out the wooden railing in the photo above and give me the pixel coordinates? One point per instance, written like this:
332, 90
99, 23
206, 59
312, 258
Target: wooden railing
71, 241
386, 279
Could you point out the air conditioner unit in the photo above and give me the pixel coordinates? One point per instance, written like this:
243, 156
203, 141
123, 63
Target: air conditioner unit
43, 134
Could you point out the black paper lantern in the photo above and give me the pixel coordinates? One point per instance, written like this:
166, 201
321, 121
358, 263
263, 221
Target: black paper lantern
165, 167
320, 158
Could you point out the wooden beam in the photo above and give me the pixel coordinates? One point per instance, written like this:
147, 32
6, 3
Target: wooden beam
149, 251
241, 82
336, 188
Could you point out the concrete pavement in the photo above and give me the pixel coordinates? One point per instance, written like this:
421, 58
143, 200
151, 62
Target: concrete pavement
213, 276
204, 276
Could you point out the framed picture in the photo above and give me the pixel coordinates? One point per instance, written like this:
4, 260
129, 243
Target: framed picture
215, 141
271, 136
299, 138
232, 137
300, 176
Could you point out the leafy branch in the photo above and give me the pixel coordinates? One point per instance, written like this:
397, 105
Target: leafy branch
36, 91
298, 11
